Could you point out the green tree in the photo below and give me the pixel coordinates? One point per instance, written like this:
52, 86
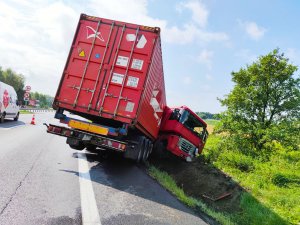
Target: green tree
16, 80
205, 115
264, 104
45, 101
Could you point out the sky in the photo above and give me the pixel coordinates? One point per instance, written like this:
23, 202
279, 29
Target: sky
203, 41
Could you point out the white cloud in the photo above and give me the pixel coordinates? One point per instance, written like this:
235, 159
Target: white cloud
293, 55
190, 33
201, 101
246, 55
36, 35
194, 29
198, 9
205, 57
253, 30
37, 38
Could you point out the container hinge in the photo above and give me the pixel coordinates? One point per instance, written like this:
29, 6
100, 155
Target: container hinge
89, 107
84, 89
125, 99
88, 90
73, 86
110, 95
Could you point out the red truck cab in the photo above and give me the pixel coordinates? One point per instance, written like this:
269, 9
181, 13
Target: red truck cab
182, 132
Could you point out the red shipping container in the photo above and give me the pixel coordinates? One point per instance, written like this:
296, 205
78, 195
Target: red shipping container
114, 73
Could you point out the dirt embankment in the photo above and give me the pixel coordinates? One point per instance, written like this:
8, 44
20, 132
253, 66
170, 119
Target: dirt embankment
203, 181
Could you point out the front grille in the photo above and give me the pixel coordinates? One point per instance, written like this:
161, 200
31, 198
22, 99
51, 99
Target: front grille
186, 146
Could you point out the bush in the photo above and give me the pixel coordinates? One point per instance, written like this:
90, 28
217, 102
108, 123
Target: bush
283, 180
239, 161
280, 180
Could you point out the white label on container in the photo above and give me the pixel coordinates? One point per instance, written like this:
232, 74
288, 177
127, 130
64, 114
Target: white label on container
137, 64
129, 107
142, 42
132, 81
122, 61
117, 78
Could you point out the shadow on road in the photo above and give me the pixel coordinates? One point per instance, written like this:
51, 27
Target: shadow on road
11, 124
115, 172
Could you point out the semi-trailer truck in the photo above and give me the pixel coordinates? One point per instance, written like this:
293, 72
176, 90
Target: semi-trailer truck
114, 78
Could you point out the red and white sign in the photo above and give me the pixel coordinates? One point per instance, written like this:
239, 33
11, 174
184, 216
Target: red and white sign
26, 95
27, 88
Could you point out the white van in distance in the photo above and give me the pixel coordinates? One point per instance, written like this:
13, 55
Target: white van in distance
8, 102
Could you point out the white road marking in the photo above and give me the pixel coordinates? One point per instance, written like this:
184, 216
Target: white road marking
89, 209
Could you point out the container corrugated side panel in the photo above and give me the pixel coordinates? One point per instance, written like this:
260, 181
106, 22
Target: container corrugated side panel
106, 69
154, 97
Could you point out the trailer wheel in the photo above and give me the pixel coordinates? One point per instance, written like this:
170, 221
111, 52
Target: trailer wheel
150, 148
147, 150
136, 153
77, 147
91, 148
141, 148
75, 144
159, 149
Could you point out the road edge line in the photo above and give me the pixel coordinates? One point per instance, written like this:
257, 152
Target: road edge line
89, 209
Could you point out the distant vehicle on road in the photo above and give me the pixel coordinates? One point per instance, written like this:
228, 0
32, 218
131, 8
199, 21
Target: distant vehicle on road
8, 102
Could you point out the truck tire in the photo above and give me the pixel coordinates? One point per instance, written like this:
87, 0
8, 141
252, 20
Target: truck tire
91, 148
17, 117
75, 144
159, 149
150, 148
2, 118
147, 150
77, 147
136, 153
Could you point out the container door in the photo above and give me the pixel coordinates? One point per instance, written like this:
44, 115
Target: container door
129, 67
88, 64
107, 68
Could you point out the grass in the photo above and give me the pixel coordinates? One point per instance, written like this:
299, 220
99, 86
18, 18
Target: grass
273, 185
168, 182
211, 124
25, 112
252, 212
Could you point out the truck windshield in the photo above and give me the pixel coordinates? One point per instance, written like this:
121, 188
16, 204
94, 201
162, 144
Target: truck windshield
189, 121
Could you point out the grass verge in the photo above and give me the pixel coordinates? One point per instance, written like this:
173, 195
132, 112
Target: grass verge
273, 184
25, 112
168, 182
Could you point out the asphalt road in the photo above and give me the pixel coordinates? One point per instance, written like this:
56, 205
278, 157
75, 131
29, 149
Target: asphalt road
43, 181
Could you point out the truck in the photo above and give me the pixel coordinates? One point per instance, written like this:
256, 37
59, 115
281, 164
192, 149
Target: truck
9, 107
113, 79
